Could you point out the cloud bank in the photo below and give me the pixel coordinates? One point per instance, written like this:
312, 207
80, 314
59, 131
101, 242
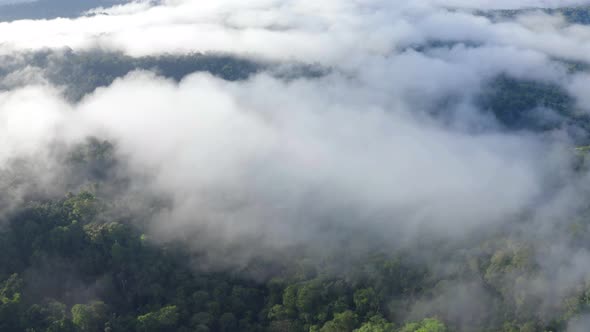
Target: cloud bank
391, 138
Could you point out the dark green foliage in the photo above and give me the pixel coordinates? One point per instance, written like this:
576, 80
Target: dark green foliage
135, 285
577, 14
163, 319
376, 324
534, 105
343, 322
81, 73
531, 105
427, 325
91, 317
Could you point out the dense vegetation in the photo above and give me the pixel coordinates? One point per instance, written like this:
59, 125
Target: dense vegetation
576, 14
81, 73
531, 105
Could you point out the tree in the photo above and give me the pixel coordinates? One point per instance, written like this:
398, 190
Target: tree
90, 317
342, 322
366, 301
376, 324
228, 322
10, 303
164, 319
426, 325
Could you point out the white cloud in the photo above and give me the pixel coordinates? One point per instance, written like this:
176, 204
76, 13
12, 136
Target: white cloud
330, 32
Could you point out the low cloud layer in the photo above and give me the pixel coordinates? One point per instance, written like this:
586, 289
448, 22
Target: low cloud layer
329, 33
390, 137
215, 145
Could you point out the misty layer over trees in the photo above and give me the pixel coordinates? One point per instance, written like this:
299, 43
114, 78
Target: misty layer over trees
80, 73
291, 166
